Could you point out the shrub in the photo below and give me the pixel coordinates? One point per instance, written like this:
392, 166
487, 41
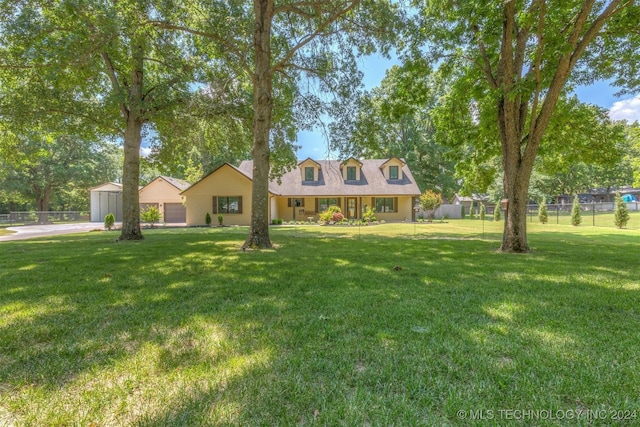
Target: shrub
337, 217
472, 214
150, 215
429, 202
621, 213
543, 217
576, 218
327, 215
483, 211
369, 215
220, 219
496, 212
462, 211
207, 219
109, 221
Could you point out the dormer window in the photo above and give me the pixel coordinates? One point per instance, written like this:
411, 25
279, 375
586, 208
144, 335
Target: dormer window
393, 172
351, 173
392, 169
309, 173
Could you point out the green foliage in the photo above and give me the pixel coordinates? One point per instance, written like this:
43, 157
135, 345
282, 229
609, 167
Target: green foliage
483, 211
109, 221
496, 212
462, 213
327, 215
621, 212
207, 219
429, 202
394, 120
220, 218
576, 217
369, 215
276, 221
543, 217
167, 331
150, 215
472, 212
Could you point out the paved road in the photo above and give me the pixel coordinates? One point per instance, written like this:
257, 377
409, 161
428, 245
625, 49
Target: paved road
31, 231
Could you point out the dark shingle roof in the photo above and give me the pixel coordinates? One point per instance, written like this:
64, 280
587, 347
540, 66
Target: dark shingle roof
178, 183
330, 182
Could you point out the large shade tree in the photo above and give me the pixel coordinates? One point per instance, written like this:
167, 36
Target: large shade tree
276, 43
394, 120
98, 60
511, 62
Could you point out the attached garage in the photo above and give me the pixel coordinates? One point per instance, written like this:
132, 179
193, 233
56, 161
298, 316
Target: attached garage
164, 193
175, 213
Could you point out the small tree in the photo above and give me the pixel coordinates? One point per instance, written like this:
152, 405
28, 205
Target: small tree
472, 213
462, 211
150, 215
576, 218
220, 220
621, 212
496, 212
543, 217
430, 201
369, 215
109, 221
207, 219
483, 211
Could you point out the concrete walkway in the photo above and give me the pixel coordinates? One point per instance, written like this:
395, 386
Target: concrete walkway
43, 230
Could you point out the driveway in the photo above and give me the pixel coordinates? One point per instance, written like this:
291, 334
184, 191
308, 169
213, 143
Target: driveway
43, 230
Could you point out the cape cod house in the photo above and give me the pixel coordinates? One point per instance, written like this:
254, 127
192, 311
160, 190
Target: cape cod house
386, 185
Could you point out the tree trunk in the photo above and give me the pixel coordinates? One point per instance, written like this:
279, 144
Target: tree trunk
516, 186
43, 198
262, 109
130, 180
132, 140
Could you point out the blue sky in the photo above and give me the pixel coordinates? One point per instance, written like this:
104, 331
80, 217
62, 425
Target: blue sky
315, 145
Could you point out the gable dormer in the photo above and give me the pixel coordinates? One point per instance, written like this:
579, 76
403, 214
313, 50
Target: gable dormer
309, 170
392, 169
351, 169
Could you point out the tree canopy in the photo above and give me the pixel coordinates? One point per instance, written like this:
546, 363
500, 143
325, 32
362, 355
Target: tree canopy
510, 62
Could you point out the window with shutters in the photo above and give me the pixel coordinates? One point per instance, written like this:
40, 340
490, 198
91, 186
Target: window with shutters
324, 203
227, 204
385, 204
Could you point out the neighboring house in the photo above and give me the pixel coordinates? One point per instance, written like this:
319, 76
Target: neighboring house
164, 193
301, 194
106, 198
475, 200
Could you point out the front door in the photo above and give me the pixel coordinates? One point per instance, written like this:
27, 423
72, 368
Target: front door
352, 207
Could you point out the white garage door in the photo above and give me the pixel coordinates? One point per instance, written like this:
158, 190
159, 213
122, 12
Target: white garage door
175, 212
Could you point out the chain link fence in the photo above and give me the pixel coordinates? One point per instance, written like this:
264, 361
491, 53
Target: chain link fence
43, 217
599, 214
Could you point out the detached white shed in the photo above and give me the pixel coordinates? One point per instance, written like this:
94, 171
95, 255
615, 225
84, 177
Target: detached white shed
106, 198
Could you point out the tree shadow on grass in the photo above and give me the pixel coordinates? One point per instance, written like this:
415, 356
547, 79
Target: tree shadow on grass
320, 330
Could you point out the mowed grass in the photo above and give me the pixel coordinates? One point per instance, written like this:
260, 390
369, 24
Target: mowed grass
396, 324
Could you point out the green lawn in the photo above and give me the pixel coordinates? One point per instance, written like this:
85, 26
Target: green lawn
4, 231
396, 324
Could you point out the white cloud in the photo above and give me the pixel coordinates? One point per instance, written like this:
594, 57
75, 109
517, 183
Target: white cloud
145, 151
627, 109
